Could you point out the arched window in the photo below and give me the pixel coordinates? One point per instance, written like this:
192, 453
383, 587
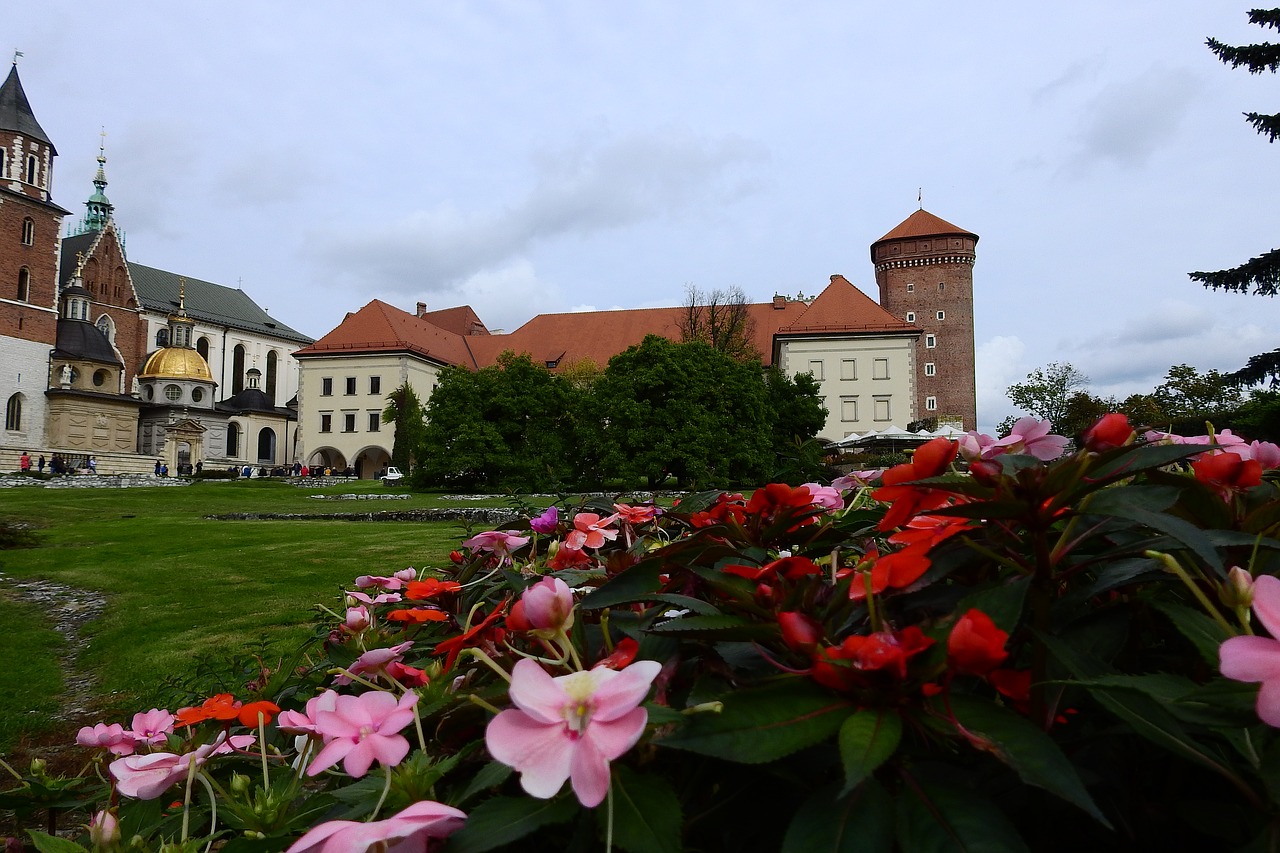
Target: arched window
272, 359
233, 439
267, 445
33, 168
107, 327
13, 413
237, 369
202, 347
28, 231
162, 337
24, 285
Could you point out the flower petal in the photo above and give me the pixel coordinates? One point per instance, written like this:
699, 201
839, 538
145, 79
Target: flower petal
542, 753
590, 771
621, 691
536, 693
614, 737
1250, 659
1266, 603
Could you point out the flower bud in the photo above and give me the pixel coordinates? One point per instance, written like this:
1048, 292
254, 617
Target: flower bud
104, 830
800, 632
240, 783
1238, 590
548, 605
357, 618
1109, 432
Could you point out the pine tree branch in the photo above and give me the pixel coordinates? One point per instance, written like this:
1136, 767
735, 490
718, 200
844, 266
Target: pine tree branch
1261, 275
1265, 18
1267, 125
1256, 57
1262, 367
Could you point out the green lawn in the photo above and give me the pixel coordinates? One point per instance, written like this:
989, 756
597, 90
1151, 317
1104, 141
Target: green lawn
181, 587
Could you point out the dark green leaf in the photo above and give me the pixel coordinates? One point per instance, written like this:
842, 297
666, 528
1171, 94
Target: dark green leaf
503, 820
646, 813
52, 844
867, 739
491, 775
1116, 573
1119, 464
829, 823
950, 816
634, 584
1034, 755
1204, 633
763, 724
715, 628
1188, 534
1003, 602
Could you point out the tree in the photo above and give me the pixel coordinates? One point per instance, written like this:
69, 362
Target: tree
720, 319
404, 409
1048, 391
1188, 395
798, 411
1260, 275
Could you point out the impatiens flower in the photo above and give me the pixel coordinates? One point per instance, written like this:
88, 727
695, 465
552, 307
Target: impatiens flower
362, 729
391, 584
827, 497
220, 707
357, 618
895, 570
417, 615
1111, 431
570, 727
976, 645
791, 568
152, 726
384, 598
476, 635
1031, 437
104, 830
373, 662
251, 712
622, 655
861, 660
1258, 658
304, 722
564, 557
429, 588
780, 499
1227, 473
499, 542
112, 738
590, 531
406, 831
636, 514
800, 632
856, 479
930, 459
406, 675
548, 606
145, 777
547, 521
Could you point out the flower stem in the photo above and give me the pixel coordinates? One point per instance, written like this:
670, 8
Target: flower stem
262, 748
487, 661
213, 807
386, 789
476, 700
1172, 566
608, 831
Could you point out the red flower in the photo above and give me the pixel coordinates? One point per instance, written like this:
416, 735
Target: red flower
221, 707
474, 636
569, 558
623, 654
1109, 432
1227, 472
976, 645
931, 459
429, 588
248, 715
931, 529
417, 615
407, 675
897, 570
1014, 685
853, 663
800, 632
726, 508
790, 568
779, 498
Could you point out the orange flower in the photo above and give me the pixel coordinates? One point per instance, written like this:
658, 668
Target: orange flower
976, 645
931, 459
453, 646
417, 615
221, 707
249, 714
429, 588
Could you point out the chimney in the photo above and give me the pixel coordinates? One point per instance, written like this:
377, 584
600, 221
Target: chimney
422, 309
779, 302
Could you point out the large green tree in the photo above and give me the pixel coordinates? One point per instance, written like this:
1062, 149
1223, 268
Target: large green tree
1047, 391
685, 410
1260, 275
404, 409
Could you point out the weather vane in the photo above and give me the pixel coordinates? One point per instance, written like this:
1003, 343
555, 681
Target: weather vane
920, 197
16, 54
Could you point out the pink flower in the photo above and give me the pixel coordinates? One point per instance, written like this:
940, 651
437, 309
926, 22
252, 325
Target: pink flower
363, 729
570, 727
546, 522
304, 722
374, 661
112, 738
391, 584
827, 497
385, 598
104, 830
146, 777
406, 831
590, 531
500, 542
152, 726
357, 618
1258, 658
976, 445
548, 605
856, 479
636, 514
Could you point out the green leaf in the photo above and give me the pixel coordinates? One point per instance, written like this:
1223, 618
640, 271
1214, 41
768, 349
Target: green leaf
491, 775
763, 724
715, 628
951, 816
1125, 462
1003, 602
52, 844
830, 823
646, 813
1034, 755
1204, 633
503, 820
635, 584
867, 739
1186, 533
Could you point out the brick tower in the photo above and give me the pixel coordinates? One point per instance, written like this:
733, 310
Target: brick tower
924, 269
29, 241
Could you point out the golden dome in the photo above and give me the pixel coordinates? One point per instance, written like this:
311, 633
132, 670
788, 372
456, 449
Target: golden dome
176, 363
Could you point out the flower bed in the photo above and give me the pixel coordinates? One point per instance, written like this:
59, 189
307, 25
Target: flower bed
989, 648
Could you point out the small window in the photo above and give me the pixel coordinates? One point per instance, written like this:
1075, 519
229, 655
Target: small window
107, 328
24, 285
849, 368
349, 423
172, 393
930, 368
911, 316
100, 378
375, 384
942, 285
883, 412
942, 315
326, 423
351, 385
33, 168
880, 368
233, 439
815, 367
202, 347
911, 288
930, 341
848, 410
149, 393
197, 394
4, 164
13, 413
326, 387
931, 404
162, 338
375, 421
28, 231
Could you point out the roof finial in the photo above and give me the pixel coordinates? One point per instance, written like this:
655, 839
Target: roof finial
16, 54
920, 197
182, 295
79, 263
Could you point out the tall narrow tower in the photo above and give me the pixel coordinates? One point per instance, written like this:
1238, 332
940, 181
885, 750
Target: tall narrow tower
924, 268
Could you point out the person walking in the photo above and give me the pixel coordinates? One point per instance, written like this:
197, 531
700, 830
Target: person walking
24, 463
40, 464
93, 465
157, 467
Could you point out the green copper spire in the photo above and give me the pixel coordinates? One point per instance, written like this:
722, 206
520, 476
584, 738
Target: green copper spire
99, 208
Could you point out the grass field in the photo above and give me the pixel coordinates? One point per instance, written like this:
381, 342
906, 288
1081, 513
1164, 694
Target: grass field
182, 588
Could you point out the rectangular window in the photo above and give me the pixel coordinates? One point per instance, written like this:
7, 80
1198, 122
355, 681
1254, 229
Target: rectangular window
815, 367
930, 341
883, 412
849, 368
911, 316
911, 288
326, 386
931, 404
848, 410
326, 423
880, 368
930, 368
375, 384
349, 422
375, 421
942, 315
351, 385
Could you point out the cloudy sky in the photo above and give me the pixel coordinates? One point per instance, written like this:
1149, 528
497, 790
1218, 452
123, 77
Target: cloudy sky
529, 157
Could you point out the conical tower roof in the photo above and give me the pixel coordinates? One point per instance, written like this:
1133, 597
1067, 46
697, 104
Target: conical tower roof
922, 223
15, 111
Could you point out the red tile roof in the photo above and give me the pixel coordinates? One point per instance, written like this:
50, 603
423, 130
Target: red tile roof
379, 327
922, 223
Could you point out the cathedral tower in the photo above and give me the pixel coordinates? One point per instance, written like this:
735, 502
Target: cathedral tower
924, 269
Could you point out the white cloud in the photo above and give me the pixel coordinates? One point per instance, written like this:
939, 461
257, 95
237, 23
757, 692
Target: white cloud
999, 364
1129, 120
